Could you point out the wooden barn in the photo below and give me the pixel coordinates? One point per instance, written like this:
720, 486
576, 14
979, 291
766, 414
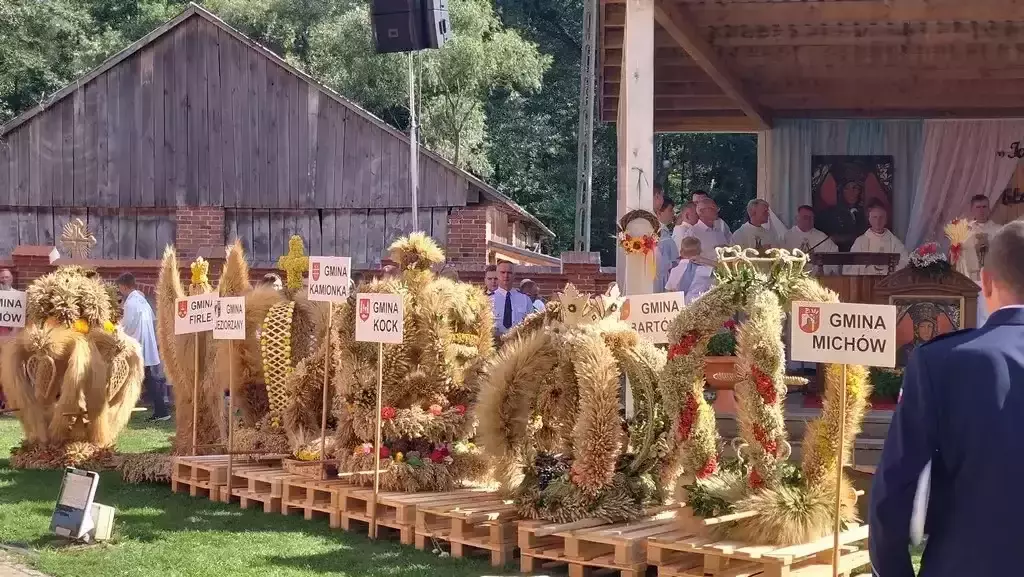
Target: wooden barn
196, 135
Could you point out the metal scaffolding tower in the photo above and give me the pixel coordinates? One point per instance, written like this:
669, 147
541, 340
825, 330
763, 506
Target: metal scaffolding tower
585, 151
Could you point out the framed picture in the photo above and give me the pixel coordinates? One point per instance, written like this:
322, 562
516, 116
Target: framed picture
842, 187
920, 318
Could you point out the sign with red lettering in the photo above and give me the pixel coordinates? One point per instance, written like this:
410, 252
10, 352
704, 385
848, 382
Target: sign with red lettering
380, 319
843, 333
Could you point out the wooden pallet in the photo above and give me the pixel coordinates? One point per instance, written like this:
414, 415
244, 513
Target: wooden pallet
680, 554
263, 485
311, 496
395, 510
592, 544
204, 475
469, 521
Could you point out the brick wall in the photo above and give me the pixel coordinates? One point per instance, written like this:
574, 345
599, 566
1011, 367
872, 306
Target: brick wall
197, 227
467, 235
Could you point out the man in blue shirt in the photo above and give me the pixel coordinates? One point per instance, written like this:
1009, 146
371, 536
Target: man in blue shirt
667, 253
137, 322
961, 408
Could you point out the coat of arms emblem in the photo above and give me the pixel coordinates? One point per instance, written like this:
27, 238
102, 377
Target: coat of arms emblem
809, 319
364, 309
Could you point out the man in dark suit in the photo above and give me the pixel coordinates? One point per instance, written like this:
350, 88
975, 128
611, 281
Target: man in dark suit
963, 410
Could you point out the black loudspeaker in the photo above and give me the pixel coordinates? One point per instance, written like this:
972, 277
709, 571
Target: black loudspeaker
408, 25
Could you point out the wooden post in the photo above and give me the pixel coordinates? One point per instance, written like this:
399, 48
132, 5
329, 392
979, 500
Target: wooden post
839, 478
376, 442
195, 397
231, 417
327, 380
633, 273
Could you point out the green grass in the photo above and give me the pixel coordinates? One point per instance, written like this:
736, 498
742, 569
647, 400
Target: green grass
160, 533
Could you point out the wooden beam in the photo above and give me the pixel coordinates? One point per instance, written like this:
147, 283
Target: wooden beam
858, 11
667, 122
674, 21
875, 34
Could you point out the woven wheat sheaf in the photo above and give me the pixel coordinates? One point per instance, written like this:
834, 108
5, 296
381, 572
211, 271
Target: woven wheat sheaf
276, 349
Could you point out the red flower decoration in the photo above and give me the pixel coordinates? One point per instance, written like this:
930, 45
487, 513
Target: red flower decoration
709, 468
684, 346
954, 253
927, 248
686, 417
770, 446
438, 455
388, 413
649, 244
384, 452
436, 410
755, 481
460, 409
730, 325
765, 386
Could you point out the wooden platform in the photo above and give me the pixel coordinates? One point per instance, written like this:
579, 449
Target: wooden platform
396, 510
312, 497
592, 544
204, 475
469, 522
680, 554
263, 485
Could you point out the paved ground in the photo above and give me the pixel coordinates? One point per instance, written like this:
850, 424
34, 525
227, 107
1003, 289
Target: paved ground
9, 567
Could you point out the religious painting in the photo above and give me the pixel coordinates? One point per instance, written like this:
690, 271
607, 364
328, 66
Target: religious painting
842, 187
920, 318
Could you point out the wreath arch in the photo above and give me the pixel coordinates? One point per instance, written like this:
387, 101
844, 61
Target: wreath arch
792, 505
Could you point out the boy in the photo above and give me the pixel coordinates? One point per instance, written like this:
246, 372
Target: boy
694, 273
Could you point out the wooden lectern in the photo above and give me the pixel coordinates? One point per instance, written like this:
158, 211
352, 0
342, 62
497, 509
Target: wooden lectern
853, 288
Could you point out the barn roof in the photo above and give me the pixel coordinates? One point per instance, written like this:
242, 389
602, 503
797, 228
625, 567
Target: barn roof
198, 11
734, 65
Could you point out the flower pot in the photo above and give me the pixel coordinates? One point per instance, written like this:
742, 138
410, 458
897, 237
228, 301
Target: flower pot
719, 366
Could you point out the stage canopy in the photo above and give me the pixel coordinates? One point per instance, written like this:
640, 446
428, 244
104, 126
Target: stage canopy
917, 80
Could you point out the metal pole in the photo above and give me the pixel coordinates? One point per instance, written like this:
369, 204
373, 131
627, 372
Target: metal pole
585, 134
377, 440
414, 177
839, 477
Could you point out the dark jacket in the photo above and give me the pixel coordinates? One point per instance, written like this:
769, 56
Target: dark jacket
963, 409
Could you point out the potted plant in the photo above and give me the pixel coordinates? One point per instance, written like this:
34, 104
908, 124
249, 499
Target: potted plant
721, 357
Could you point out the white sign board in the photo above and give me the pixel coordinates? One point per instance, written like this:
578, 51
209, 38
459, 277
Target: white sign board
650, 315
330, 278
229, 315
846, 333
12, 309
195, 314
379, 318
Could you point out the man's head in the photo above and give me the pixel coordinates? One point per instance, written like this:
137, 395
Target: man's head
979, 208
687, 214
659, 198
690, 248
6, 279
273, 280
699, 195
667, 214
505, 275
851, 193
126, 284
878, 217
805, 218
707, 211
757, 211
491, 278
529, 288
1002, 277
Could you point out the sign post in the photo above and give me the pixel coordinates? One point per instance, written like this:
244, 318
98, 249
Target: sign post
229, 325
651, 315
195, 315
330, 281
12, 309
380, 318
843, 333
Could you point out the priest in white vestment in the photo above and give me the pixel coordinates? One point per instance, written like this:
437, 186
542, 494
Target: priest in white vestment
808, 239
719, 223
705, 231
687, 218
878, 239
976, 245
753, 234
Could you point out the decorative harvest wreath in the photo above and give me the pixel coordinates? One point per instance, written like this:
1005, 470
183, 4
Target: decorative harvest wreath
793, 506
642, 244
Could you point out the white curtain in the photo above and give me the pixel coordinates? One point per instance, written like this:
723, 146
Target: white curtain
959, 160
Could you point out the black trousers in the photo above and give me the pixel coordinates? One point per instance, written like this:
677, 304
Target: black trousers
154, 387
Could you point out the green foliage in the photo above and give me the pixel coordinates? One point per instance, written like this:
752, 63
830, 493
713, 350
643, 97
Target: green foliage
886, 383
723, 344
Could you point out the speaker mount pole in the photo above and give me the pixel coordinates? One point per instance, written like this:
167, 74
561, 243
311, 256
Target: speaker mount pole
413, 143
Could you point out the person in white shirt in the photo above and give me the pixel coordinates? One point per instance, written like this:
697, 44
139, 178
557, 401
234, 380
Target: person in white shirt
877, 239
705, 231
982, 229
806, 238
490, 279
530, 289
686, 219
137, 322
666, 253
753, 234
720, 225
694, 274
509, 305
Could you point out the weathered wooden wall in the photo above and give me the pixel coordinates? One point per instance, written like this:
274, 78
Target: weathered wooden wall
360, 233
120, 233
201, 117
